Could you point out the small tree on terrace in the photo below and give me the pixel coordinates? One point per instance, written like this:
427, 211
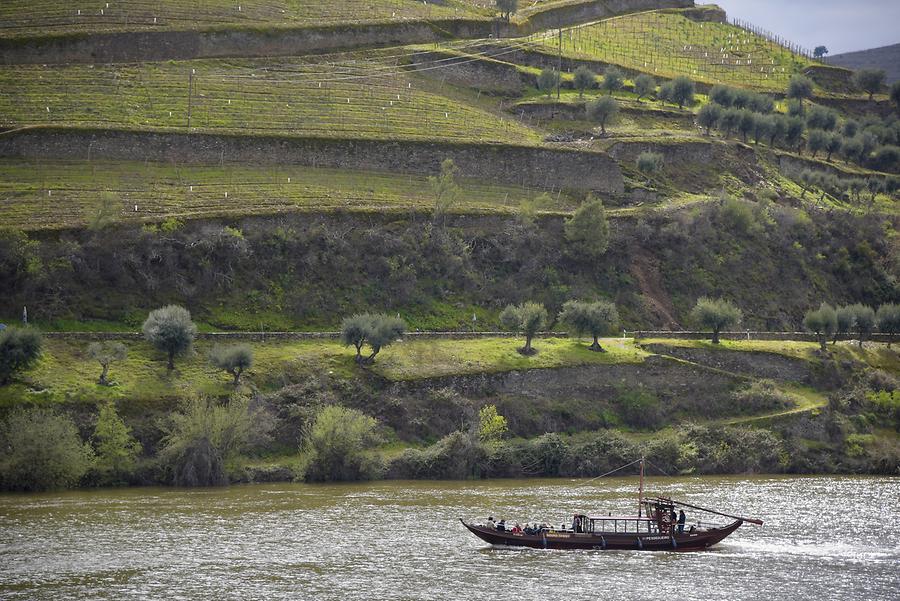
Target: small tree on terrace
895, 95
587, 230
527, 319
793, 133
817, 140
20, 348
375, 330
863, 321
715, 314
649, 163
845, 322
747, 123
171, 331
597, 319
232, 359
507, 7
722, 95
763, 129
105, 353
682, 91
445, 189
613, 80
584, 79
603, 111
832, 145
800, 88
729, 121
708, 116
869, 81
548, 80
644, 85
888, 318
822, 322
820, 51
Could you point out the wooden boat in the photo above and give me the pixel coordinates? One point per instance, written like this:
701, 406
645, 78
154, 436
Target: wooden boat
655, 528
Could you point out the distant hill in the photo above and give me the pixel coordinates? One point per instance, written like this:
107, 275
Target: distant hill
886, 57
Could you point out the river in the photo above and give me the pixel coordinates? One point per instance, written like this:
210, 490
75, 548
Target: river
823, 538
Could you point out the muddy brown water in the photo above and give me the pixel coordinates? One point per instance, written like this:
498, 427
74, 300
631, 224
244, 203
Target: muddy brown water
823, 538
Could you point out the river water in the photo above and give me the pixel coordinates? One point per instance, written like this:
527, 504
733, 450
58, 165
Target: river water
823, 538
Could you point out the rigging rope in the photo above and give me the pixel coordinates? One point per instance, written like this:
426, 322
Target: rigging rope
608, 473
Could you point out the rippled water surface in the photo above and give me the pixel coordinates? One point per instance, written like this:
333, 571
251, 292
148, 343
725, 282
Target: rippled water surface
824, 538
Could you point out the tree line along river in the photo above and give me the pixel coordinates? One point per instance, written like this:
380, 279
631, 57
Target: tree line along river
823, 538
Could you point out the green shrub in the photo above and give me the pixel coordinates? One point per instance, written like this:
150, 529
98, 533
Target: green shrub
204, 437
338, 443
115, 446
457, 456
760, 396
41, 450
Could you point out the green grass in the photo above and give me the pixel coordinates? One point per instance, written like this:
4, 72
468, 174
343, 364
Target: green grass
874, 355
30, 18
666, 44
37, 195
363, 95
66, 374
416, 359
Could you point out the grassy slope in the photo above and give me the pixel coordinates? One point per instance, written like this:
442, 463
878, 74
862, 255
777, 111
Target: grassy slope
65, 374
343, 96
38, 195
37, 17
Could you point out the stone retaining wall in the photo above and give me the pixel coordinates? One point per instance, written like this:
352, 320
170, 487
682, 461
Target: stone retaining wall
499, 163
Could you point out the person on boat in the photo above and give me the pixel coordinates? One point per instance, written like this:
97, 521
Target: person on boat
517, 529
491, 523
501, 526
681, 519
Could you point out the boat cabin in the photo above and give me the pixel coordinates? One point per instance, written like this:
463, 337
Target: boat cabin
657, 516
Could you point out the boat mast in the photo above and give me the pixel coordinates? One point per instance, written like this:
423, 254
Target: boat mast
641, 489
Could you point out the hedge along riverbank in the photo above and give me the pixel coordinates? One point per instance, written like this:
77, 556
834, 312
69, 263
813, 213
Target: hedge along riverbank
134, 46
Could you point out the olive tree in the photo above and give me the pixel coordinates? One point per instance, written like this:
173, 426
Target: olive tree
527, 319
888, 318
846, 319
895, 95
587, 231
613, 80
596, 319
644, 85
869, 81
171, 331
822, 322
105, 353
820, 51
20, 348
863, 321
682, 91
603, 111
800, 88
507, 7
649, 163
375, 330
715, 314
584, 79
816, 141
235, 360
445, 189
708, 116
547, 80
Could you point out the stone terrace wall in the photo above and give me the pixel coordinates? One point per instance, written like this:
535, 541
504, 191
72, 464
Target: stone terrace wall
517, 165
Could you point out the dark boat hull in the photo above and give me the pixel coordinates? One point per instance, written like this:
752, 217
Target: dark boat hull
696, 541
